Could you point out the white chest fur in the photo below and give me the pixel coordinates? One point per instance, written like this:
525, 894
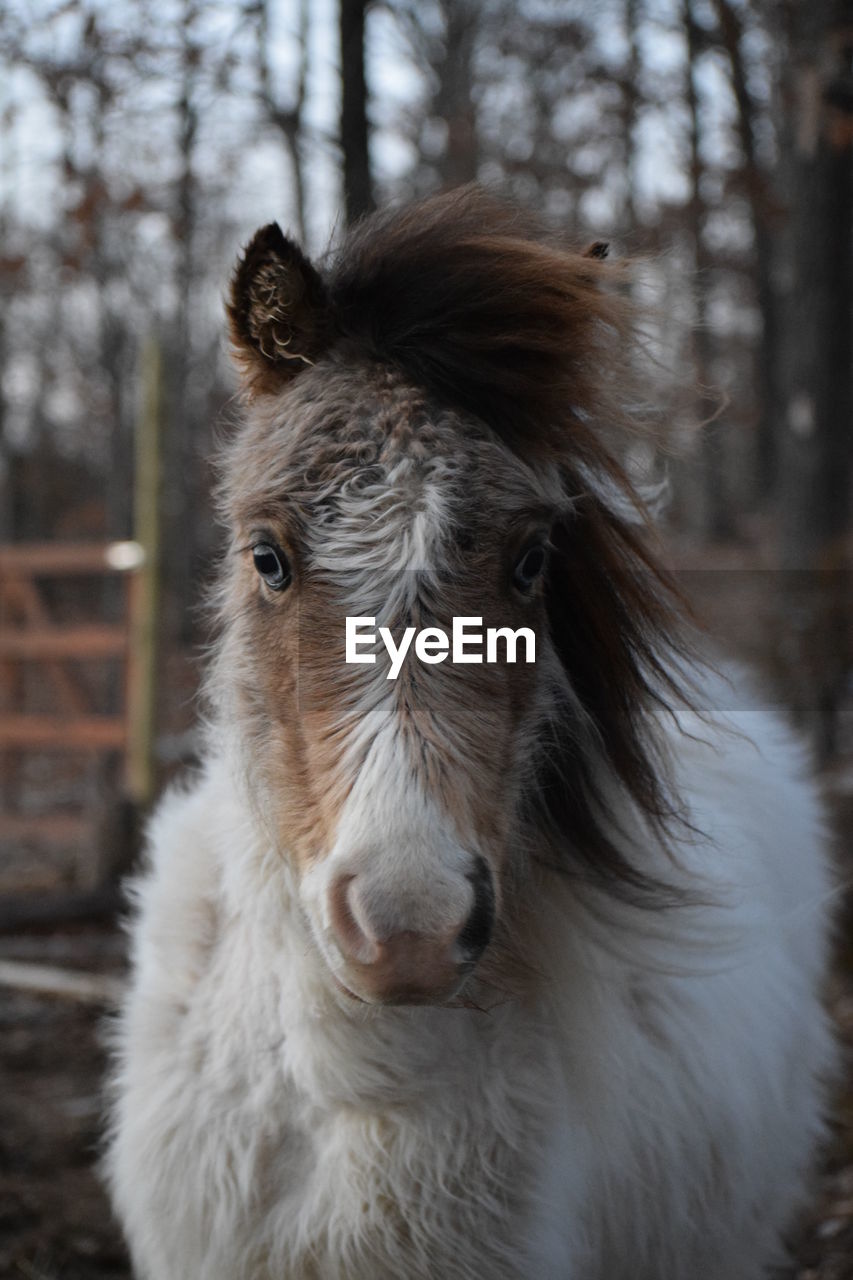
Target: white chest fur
630, 1121
285, 1142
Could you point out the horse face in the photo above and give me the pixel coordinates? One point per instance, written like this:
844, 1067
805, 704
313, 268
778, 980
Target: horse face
393, 792
354, 492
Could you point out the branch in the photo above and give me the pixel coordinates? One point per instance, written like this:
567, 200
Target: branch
67, 984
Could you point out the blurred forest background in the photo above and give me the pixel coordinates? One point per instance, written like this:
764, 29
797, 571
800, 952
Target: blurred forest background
141, 143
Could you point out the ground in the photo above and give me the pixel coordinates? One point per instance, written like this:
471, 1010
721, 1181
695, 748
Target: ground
55, 1223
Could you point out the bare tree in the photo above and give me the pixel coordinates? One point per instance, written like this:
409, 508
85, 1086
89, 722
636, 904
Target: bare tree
819, 336
453, 101
817, 443
286, 114
763, 204
444, 37
181, 487
631, 100
715, 516
358, 182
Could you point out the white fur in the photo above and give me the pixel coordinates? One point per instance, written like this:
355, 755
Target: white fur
393, 838
648, 1111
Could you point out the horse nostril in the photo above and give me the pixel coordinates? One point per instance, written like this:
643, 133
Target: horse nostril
475, 936
354, 939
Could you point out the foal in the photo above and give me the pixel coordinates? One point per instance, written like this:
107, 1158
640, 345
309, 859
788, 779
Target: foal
491, 970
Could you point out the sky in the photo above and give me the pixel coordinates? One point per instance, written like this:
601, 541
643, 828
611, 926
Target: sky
30, 145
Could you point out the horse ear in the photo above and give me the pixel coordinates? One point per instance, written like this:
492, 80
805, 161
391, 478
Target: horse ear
278, 311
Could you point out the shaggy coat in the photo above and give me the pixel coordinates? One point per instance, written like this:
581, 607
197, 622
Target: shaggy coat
487, 971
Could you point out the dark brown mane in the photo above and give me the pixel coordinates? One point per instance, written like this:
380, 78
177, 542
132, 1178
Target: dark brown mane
476, 302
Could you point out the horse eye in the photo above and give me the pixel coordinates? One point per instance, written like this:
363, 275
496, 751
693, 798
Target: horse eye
530, 567
272, 564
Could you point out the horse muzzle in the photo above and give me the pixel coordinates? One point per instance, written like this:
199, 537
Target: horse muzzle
387, 965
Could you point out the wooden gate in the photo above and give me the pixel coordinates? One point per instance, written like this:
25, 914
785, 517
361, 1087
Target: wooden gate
65, 720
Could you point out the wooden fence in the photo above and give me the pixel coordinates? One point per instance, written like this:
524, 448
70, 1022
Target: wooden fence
31, 633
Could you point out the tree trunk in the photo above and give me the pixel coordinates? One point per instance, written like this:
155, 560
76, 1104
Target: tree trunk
358, 183
286, 117
817, 437
183, 496
819, 328
630, 112
453, 101
757, 185
715, 522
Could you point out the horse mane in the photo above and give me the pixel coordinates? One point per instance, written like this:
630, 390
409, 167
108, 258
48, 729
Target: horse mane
478, 303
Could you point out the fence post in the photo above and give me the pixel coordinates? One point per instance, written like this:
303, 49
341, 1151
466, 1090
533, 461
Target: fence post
144, 586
